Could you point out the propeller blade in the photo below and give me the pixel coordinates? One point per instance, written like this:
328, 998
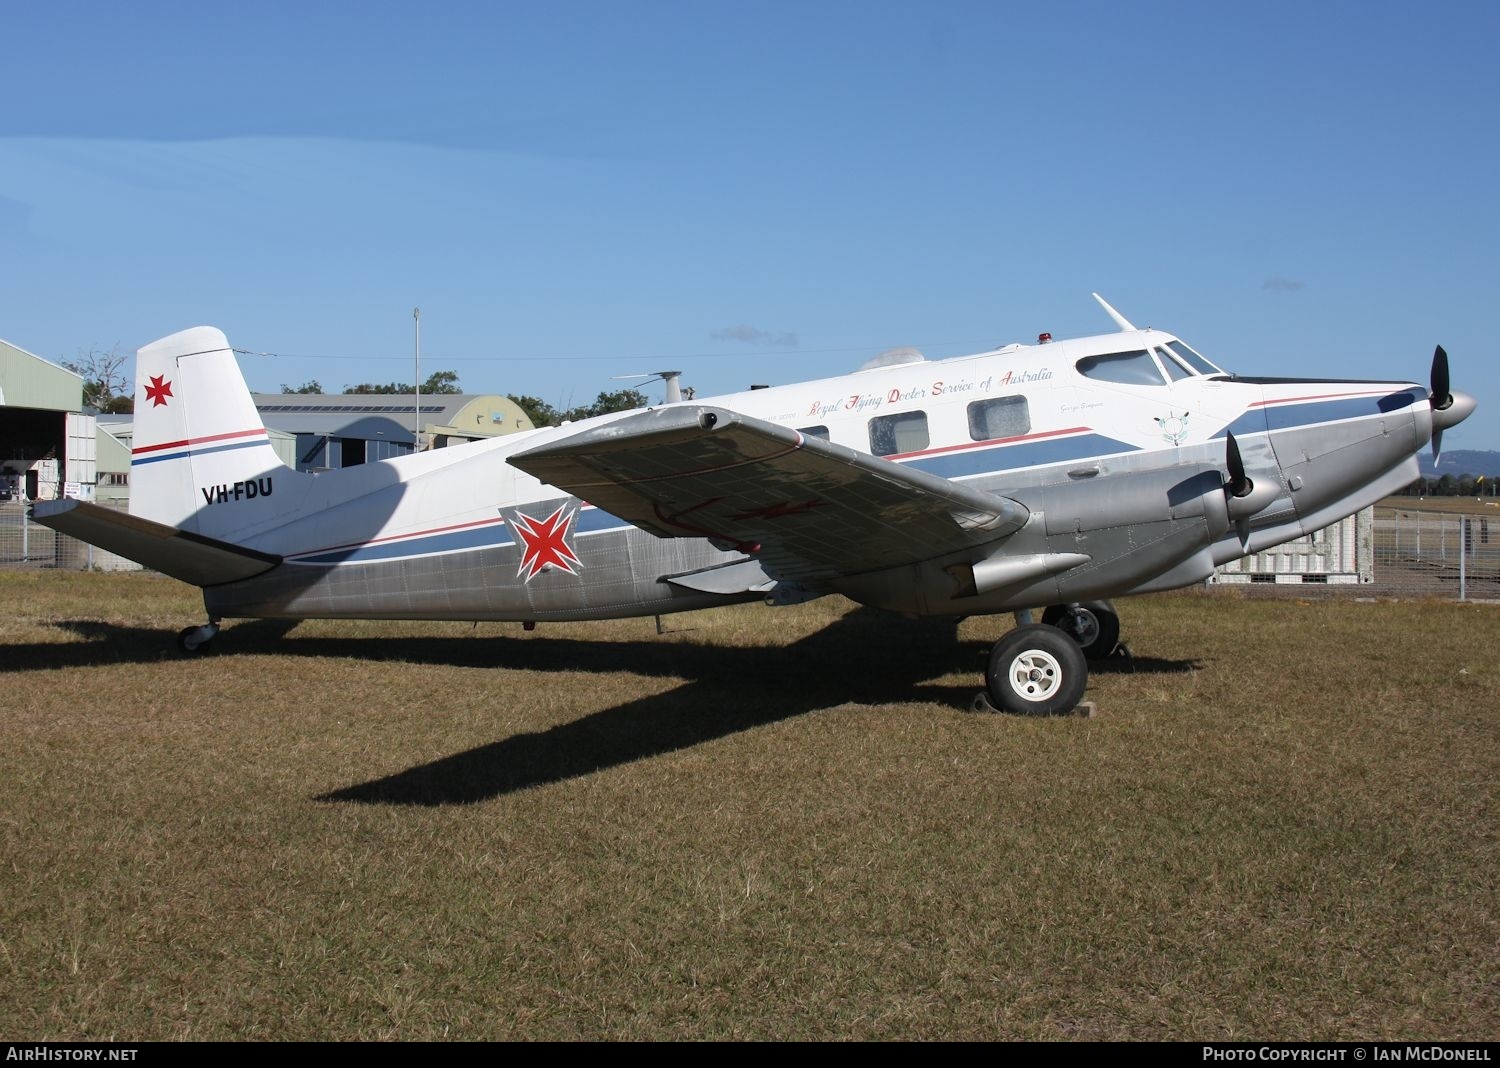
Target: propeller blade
1239, 483
1238, 486
1441, 395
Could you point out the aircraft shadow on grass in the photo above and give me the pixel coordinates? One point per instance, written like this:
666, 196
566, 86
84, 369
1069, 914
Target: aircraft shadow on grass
864, 657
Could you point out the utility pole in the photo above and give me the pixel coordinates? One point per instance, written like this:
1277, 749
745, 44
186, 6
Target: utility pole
416, 421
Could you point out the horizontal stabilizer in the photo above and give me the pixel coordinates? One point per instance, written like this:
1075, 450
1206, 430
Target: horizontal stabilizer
804, 507
178, 553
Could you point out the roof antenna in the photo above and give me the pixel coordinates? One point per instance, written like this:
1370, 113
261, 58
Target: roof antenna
1123, 323
673, 379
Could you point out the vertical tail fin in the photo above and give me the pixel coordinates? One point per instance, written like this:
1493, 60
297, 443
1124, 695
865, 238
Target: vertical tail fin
201, 459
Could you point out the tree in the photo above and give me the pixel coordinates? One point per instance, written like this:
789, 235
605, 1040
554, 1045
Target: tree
621, 400
537, 410
310, 386
437, 382
105, 387
442, 382
543, 414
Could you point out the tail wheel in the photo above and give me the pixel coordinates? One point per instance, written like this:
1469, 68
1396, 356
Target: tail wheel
1094, 625
197, 641
1036, 670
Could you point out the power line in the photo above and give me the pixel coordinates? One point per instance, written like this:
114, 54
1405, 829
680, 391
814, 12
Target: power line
760, 353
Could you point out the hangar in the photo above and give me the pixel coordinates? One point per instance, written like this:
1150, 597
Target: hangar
46, 445
116, 436
342, 430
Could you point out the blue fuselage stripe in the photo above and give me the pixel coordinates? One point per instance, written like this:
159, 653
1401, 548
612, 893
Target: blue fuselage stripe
991, 460
1290, 416
490, 536
494, 536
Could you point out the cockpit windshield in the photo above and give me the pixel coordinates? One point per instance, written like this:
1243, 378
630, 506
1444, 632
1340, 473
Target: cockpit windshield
1176, 370
1193, 360
1130, 368
1145, 367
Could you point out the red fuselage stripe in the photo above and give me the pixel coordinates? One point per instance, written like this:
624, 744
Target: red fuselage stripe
400, 537
994, 441
198, 441
1319, 396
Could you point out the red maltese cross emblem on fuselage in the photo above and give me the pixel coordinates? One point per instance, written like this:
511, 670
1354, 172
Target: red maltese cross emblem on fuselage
158, 391
545, 543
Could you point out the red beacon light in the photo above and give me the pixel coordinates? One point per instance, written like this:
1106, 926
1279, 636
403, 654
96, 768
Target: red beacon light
1043, 338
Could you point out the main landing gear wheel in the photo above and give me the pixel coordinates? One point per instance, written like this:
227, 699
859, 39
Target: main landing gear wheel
1036, 670
1094, 625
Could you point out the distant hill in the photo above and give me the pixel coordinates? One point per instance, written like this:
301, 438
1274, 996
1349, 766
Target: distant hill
1461, 462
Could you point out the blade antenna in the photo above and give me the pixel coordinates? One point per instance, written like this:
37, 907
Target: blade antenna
1123, 323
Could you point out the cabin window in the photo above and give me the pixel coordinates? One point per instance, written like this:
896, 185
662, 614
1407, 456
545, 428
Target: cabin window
1175, 371
813, 432
1193, 360
1127, 368
893, 434
999, 417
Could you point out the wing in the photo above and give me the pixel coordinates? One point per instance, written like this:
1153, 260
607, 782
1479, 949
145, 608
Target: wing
804, 507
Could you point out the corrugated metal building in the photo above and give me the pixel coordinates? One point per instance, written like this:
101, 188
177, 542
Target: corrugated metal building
114, 442
342, 430
42, 435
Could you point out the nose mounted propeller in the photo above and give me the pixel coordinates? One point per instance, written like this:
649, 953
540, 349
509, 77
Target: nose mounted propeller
1448, 408
1441, 396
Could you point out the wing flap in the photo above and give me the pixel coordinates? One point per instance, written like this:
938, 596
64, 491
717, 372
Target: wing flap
181, 554
740, 576
804, 507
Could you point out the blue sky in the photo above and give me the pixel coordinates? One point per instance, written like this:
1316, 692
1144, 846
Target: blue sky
752, 192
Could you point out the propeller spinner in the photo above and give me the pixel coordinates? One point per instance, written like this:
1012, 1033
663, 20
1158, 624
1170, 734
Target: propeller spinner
1448, 408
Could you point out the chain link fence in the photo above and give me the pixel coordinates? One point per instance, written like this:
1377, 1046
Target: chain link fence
1421, 552
1387, 551
26, 543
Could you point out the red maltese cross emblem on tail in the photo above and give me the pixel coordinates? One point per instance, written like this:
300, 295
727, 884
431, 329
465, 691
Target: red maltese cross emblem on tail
158, 391
545, 543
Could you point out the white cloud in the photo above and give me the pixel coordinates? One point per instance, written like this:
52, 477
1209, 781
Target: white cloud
753, 335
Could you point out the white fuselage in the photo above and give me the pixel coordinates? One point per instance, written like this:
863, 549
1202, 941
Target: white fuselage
435, 535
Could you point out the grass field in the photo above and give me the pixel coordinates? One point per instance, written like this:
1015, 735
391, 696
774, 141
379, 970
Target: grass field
766, 823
